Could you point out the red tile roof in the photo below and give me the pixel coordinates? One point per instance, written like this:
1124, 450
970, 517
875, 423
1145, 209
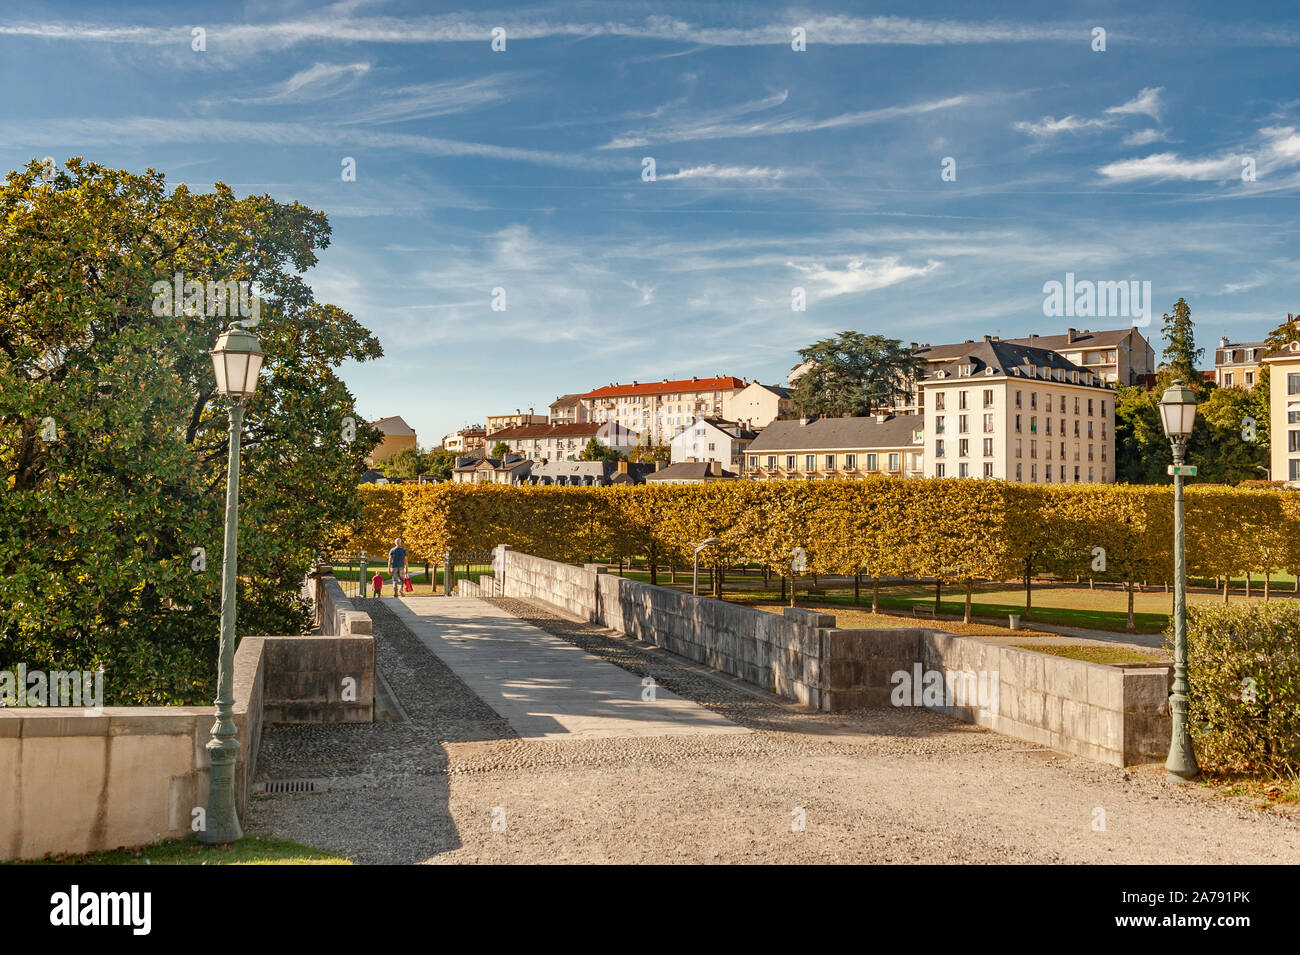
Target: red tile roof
724, 383
585, 429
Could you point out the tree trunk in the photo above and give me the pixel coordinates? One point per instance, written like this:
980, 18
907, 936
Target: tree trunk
966, 615
717, 582
794, 585
1090, 584
1029, 591
1130, 626
875, 595
653, 559
1225, 589
783, 586
938, 593
856, 588
1247, 585
1268, 580
672, 569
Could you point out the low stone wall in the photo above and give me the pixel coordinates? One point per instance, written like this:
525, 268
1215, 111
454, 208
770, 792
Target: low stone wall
1116, 715
77, 781
336, 615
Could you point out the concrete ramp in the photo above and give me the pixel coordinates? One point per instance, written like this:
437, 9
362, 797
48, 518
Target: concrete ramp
544, 686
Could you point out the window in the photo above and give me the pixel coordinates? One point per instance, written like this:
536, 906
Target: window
753, 462
1076, 474
810, 462
963, 448
1020, 472
938, 448
850, 462
988, 447
1048, 448
1063, 405
894, 459
1033, 424
871, 462
988, 397
988, 470
939, 470
1250, 379
1089, 430
1033, 401
961, 424
1293, 384
830, 462
1017, 399
938, 401
1048, 422
1076, 429
938, 424
771, 461
1090, 452
1017, 424
1076, 457
961, 399
988, 424
710, 445
1294, 469
1227, 379
1293, 441
1103, 452
1033, 473
1293, 417
1018, 454
1103, 407
963, 470
1033, 449
789, 462
1076, 405
1089, 474
1047, 474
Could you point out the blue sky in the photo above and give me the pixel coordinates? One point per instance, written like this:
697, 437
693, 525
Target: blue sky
522, 169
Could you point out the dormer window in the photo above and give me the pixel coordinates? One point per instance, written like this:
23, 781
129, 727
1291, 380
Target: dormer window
965, 370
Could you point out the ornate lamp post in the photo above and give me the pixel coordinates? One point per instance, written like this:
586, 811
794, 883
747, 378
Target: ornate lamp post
695, 570
236, 359
1177, 416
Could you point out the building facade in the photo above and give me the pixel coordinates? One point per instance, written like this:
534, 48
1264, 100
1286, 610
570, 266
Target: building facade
712, 439
567, 409
397, 436
564, 442
1018, 413
756, 406
1284, 414
1237, 364
822, 448
511, 469
499, 422
658, 410
466, 440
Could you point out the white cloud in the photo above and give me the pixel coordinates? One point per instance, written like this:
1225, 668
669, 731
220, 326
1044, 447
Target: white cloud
433, 99
1146, 103
319, 81
647, 291
733, 173
860, 275
1161, 166
1049, 126
1144, 137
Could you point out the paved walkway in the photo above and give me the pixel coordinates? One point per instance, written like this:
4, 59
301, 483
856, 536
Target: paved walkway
545, 686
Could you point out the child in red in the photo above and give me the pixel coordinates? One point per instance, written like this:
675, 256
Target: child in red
377, 582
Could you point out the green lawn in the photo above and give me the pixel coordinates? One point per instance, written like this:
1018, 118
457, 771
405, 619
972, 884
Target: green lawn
1090, 654
250, 850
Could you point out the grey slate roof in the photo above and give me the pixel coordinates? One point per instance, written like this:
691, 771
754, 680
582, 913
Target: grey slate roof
689, 471
1087, 339
835, 434
1002, 356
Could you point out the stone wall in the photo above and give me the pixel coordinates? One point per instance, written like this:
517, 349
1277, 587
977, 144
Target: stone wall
1117, 715
336, 615
77, 780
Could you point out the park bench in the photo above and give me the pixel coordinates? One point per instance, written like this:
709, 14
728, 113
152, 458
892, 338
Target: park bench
922, 609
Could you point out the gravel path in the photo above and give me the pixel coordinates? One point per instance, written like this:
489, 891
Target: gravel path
888, 785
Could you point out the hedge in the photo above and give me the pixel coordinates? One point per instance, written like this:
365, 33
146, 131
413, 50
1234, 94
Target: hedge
1244, 678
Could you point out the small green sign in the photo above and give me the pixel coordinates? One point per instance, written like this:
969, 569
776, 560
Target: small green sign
1184, 470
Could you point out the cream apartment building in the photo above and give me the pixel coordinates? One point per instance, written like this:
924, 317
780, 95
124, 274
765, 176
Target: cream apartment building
825, 448
499, 422
657, 410
563, 442
756, 406
1284, 414
1018, 413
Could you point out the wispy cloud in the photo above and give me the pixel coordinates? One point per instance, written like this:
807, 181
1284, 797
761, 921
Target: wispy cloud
859, 275
425, 100
725, 173
1146, 103
317, 82
1277, 150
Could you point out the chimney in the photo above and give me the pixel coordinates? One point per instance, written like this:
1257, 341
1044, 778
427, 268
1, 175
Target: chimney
658, 464
803, 421
715, 469
881, 417
915, 346
622, 465
1223, 342
1033, 336
988, 338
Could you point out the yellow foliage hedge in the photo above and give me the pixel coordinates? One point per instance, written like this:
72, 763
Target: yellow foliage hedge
955, 530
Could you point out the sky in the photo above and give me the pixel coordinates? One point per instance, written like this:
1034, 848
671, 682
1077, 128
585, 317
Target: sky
919, 170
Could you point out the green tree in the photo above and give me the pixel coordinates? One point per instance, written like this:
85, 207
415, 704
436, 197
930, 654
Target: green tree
1221, 447
1141, 449
405, 464
438, 464
500, 449
1181, 355
1284, 334
595, 451
854, 374
113, 441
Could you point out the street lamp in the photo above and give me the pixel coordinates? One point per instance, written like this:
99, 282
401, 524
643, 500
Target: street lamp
695, 572
236, 360
1177, 416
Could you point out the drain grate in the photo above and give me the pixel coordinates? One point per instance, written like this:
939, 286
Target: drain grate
288, 786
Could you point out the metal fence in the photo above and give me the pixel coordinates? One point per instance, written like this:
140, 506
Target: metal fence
464, 565
354, 571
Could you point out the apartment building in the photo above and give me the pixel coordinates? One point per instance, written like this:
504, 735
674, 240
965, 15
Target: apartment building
466, 440
756, 406
1237, 364
1284, 414
1018, 413
499, 422
397, 436
567, 409
822, 448
511, 469
658, 410
712, 439
564, 442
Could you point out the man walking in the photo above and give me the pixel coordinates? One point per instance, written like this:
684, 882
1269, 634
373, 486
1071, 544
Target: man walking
397, 566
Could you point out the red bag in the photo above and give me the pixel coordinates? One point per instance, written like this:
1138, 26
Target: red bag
407, 584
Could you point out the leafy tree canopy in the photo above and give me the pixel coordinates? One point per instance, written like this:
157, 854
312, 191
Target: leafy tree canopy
1181, 356
854, 374
113, 441
595, 451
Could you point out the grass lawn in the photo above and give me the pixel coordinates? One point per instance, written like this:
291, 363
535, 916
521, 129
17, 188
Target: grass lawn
250, 850
1090, 654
